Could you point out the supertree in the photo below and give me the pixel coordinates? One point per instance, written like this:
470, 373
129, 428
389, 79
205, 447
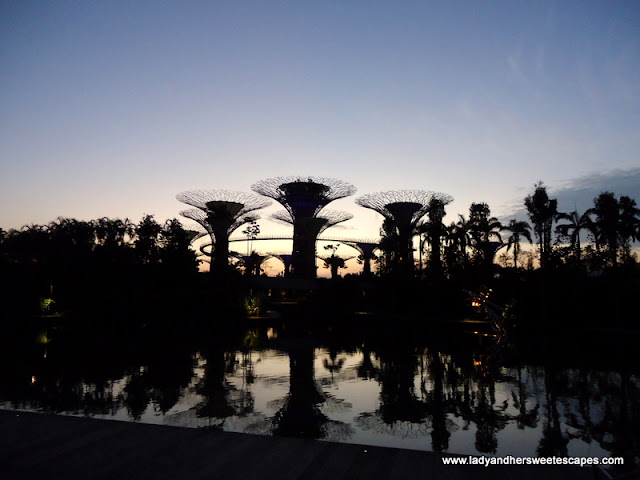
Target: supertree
221, 212
365, 249
304, 198
312, 227
402, 210
334, 262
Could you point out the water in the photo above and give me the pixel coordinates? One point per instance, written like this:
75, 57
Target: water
446, 391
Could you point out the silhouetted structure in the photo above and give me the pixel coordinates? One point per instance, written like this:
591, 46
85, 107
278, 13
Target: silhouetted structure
224, 212
322, 221
403, 209
304, 198
253, 263
366, 250
285, 258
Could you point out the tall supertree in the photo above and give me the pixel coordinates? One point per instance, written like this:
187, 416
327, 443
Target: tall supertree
366, 250
402, 210
304, 198
221, 212
312, 228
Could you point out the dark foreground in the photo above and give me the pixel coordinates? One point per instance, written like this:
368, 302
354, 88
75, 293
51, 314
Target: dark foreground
44, 446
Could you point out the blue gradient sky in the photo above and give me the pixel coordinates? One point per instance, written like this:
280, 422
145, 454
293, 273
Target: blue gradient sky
111, 108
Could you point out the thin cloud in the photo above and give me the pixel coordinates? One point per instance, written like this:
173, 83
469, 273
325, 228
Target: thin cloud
578, 194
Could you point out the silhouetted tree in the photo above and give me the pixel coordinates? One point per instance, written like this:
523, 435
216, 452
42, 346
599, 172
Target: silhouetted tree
571, 230
147, 240
517, 229
542, 212
435, 231
616, 223
457, 241
175, 242
389, 246
483, 228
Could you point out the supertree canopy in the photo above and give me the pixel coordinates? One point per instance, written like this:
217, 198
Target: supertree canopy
304, 198
325, 218
403, 209
221, 212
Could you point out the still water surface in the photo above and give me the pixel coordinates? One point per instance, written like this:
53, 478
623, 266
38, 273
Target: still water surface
448, 392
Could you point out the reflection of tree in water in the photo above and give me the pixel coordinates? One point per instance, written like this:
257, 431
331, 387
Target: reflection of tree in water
401, 413
621, 420
334, 364
168, 372
301, 414
489, 420
436, 402
616, 397
553, 442
367, 370
526, 418
398, 400
137, 397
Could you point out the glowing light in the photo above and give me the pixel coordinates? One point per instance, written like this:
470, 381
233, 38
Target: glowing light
33, 379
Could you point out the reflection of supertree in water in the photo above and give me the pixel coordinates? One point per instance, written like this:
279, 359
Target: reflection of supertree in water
300, 416
224, 212
402, 210
304, 198
214, 386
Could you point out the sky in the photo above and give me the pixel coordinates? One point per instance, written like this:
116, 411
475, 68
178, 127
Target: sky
112, 108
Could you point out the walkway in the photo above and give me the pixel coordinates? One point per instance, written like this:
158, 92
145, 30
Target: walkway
40, 446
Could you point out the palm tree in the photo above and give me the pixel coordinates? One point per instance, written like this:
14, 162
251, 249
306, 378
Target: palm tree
542, 212
629, 223
518, 229
571, 230
616, 222
457, 239
483, 228
435, 231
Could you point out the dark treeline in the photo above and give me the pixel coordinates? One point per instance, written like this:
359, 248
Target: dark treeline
542, 271
105, 265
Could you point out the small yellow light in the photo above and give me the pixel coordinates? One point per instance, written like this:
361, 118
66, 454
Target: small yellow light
33, 379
